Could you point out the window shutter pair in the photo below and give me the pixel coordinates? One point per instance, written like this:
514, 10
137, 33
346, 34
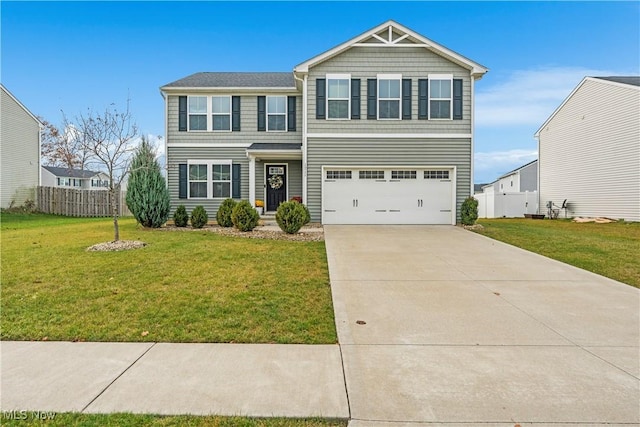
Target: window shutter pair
262, 114
321, 99
183, 182
182, 113
423, 99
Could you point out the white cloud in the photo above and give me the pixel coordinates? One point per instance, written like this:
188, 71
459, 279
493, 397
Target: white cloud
529, 97
488, 166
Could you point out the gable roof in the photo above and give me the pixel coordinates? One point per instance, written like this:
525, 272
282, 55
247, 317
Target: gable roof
390, 34
235, 80
71, 173
21, 104
517, 169
624, 81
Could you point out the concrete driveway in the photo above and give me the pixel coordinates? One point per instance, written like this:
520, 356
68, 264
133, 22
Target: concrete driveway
441, 325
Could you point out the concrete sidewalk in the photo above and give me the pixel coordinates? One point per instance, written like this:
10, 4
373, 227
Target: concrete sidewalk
441, 325
259, 380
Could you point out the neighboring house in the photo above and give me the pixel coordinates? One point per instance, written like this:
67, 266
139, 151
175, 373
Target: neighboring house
589, 150
377, 130
19, 151
78, 179
514, 194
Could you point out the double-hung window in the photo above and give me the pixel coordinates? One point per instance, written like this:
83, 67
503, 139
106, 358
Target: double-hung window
338, 96
221, 180
440, 96
209, 179
198, 181
389, 96
197, 113
276, 113
221, 113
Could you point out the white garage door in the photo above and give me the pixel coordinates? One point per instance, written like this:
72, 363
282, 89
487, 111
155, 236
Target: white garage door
388, 196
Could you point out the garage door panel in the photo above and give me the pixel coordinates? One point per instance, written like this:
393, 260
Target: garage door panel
416, 198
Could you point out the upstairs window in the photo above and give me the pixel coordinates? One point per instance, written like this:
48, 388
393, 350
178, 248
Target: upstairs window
198, 113
389, 96
221, 113
276, 113
440, 96
338, 96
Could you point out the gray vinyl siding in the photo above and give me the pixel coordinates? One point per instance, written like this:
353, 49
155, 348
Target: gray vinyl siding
395, 152
529, 178
588, 153
294, 173
365, 63
248, 124
181, 155
20, 153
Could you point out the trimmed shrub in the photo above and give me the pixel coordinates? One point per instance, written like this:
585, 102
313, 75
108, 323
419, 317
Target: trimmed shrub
147, 193
469, 211
199, 217
180, 217
244, 216
298, 199
291, 216
223, 216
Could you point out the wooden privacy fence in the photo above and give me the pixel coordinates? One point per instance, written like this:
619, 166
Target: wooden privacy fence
71, 202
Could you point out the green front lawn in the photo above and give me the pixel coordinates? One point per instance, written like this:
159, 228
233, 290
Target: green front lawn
610, 250
91, 420
192, 286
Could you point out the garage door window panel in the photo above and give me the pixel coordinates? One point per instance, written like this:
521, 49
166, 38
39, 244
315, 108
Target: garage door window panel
333, 174
436, 174
403, 174
371, 174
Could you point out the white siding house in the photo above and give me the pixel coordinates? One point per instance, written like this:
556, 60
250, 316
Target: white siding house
512, 195
19, 151
77, 179
589, 150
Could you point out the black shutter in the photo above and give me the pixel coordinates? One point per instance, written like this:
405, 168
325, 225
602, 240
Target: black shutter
355, 98
235, 181
235, 113
182, 113
372, 98
321, 98
423, 99
457, 99
406, 99
291, 114
182, 181
262, 113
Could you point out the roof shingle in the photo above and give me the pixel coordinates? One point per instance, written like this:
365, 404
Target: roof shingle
235, 80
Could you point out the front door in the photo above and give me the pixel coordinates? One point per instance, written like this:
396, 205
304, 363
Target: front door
276, 186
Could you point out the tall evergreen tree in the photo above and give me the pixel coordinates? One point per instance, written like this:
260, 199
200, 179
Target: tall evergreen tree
147, 192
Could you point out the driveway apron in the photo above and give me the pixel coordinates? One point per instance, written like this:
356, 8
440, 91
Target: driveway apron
441, 325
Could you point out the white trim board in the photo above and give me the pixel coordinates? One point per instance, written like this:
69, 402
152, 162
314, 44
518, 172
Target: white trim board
391, 135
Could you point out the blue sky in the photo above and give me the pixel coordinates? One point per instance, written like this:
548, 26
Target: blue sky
71, 56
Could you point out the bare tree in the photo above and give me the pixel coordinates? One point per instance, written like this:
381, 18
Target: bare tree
108, 139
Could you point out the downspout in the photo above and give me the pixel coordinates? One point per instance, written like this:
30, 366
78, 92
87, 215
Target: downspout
304, 137
473, 104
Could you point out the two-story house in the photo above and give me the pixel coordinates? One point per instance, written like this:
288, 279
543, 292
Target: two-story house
19, 151
377, 130
79, 179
